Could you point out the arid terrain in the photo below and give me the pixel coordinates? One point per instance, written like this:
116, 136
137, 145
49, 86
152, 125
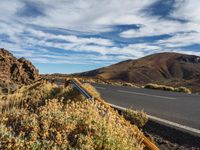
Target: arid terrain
38, 97
171, 69
99, 75
16, 71
44, 115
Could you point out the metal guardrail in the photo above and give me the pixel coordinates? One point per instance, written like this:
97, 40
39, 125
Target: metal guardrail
81, 90
135, 129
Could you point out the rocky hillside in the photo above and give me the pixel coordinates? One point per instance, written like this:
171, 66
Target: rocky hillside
164, 68
13, 70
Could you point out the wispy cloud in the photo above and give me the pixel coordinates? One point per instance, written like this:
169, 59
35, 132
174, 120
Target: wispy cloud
187, 10
98, 32
181, 40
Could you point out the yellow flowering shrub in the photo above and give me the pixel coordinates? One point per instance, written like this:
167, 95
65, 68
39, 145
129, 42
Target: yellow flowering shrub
58, 118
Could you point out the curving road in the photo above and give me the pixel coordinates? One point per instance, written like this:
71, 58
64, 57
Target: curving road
178, 108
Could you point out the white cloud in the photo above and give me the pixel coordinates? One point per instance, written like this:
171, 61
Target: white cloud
71, 38
152, 25
87, 15
181, 40
9, 9
187, 10
156, 26
95, 16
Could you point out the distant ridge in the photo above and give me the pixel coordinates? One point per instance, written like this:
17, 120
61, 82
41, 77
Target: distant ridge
13, 70
164, 68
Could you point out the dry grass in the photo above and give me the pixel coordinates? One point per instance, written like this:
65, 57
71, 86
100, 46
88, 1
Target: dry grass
183, 89
167, 88
138, 118
91, 89
101, 81
150, 85
52, 117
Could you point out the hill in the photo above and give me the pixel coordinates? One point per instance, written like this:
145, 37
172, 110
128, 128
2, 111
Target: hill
13, 70
163, 68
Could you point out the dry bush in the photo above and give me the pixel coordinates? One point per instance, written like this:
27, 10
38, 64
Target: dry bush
34, 95
151, 86
89, 80
1, 91
101, 81
183, 89
92, 80
117, 83
129, 84
27, 95
167, 88
58, 118
91, 89
138, 118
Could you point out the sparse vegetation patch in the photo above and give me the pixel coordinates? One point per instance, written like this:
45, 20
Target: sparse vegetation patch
44, 116
138, 118
167, 88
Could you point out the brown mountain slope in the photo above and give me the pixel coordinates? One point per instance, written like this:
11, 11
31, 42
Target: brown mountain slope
163, 68
13, 70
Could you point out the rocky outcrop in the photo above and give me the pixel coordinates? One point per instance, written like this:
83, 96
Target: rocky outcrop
13, 70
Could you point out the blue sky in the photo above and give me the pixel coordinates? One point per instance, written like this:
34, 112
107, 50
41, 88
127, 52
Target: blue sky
67, 36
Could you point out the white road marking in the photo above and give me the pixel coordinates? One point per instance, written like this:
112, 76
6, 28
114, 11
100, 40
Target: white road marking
98, 87
144, 94
180, 126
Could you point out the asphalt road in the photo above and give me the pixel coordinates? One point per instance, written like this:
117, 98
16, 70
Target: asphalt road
176, 107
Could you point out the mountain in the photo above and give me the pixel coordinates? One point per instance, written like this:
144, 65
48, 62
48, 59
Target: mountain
163, 68
13, 70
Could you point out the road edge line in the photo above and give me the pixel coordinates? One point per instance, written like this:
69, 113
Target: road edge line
167, 122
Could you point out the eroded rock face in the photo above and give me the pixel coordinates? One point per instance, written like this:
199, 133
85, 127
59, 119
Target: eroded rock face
13, 70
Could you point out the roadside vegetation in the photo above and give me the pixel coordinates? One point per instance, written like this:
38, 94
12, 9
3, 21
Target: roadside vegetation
103, 81
168, 88
45, 116
91, 89
138, 118
127, 84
